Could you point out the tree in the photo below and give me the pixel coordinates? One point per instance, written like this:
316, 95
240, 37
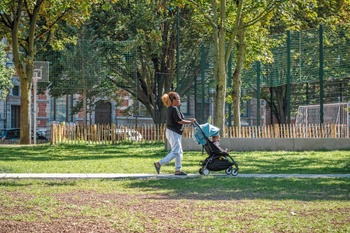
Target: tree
232, 25
5, 74
30, 25
81, 71
152, 25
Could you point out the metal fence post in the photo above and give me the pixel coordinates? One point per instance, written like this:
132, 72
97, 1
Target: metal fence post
203, 78
321, 75
288, 77
258, 93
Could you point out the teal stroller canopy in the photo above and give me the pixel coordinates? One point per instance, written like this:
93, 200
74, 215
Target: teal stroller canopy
202, 132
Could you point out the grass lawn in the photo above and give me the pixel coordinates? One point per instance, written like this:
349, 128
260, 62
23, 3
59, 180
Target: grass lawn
139, 158
203, 204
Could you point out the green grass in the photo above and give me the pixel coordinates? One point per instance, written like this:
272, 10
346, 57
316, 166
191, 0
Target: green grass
139, 158
202, 204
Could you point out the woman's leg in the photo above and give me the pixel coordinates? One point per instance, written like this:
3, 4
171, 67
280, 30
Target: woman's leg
179, 156
174, 140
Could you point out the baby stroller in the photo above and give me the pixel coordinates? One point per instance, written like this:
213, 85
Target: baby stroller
217, 159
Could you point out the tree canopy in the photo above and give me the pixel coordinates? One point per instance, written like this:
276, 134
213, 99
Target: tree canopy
28, 26
152, 25
5, 73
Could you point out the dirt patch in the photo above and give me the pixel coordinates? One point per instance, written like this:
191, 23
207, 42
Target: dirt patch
96, 212
92, 211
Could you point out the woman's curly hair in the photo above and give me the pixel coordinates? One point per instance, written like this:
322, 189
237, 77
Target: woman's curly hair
167, 99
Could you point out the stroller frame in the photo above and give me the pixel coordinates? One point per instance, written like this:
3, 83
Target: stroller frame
215, 154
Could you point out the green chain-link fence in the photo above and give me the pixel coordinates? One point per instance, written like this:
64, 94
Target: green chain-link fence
91, 69
313, 63
316, 73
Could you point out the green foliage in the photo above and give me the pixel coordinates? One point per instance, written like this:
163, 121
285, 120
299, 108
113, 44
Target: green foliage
303, 18
28, 27
49, 14
304, 73
5, 73
131, 42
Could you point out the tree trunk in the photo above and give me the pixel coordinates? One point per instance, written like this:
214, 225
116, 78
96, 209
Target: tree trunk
25, 73
237, 81
220, 90
277, 104
281, 108
25, 110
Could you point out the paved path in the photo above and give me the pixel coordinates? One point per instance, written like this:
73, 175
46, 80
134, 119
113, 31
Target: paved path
167, 176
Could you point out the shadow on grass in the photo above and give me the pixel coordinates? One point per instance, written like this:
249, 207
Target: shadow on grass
71, 152
249, 188
204, 188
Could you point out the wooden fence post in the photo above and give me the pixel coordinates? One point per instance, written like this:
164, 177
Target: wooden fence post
276, 130
333, 133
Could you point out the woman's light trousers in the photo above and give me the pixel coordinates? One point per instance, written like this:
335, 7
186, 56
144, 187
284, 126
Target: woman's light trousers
176, 152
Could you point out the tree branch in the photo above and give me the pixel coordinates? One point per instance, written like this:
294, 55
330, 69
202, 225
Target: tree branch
270, 7
54, 23
6, 20
234, 33
263, 14
206, 16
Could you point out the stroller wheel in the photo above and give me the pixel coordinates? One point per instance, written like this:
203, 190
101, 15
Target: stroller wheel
228, 171
200, 171
205, 172
234, 172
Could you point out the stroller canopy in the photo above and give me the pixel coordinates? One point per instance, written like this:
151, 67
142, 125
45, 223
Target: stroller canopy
202, 132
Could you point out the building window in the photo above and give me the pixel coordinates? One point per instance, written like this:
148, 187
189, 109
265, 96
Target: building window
15, 116
15, 91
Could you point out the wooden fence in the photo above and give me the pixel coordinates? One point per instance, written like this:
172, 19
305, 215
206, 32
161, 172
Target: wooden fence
105, 134
108, 134
291, 131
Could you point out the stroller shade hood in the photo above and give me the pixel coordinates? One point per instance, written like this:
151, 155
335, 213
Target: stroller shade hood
202, 132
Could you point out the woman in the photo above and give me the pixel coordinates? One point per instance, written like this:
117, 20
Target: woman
174, 127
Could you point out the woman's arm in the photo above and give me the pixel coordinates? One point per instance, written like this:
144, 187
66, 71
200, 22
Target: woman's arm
187, 122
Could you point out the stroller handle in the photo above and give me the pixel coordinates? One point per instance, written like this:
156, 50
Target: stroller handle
195, 123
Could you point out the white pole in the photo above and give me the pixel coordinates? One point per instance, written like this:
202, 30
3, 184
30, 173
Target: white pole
36, 76
35, 80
